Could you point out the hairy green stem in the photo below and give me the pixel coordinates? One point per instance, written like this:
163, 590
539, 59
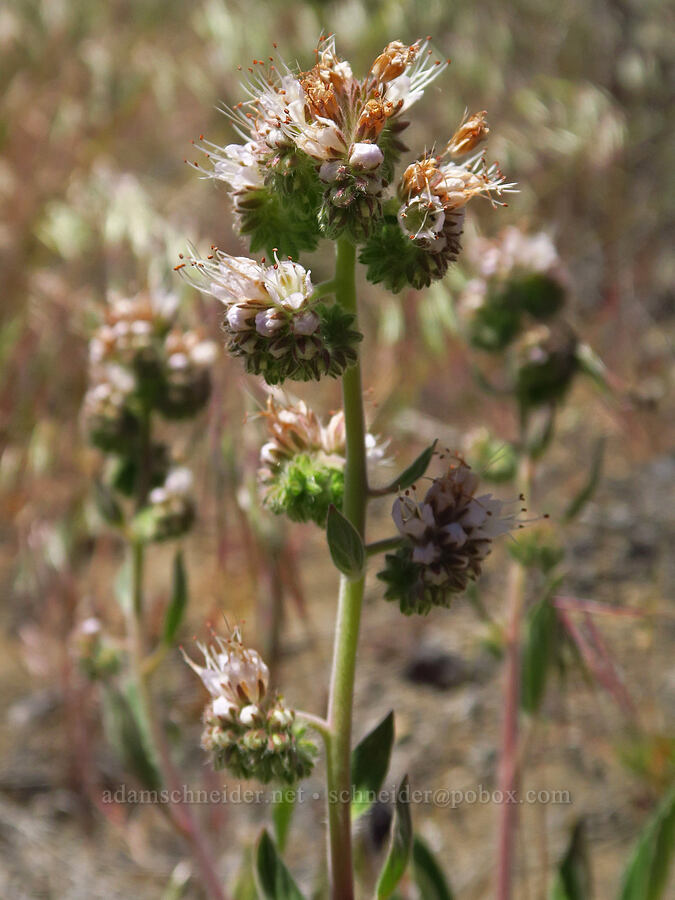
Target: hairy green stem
338, 762
382, 546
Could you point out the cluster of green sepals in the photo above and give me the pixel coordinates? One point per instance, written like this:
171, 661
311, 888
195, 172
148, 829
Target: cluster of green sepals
272, 749
304, 488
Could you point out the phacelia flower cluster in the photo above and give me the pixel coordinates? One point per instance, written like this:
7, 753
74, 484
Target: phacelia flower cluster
519, 280
302, 464
273, 321
246, 729
142, 363
418, 239
321, 140
446, 537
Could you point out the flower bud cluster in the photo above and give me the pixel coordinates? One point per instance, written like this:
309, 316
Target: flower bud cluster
246, 730
514, 305
273, 321
418, 246
302, 464
446, 537
519, 280
141, 363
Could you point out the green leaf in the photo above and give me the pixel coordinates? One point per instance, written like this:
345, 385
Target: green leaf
400, 846
573, 878
646, 876
273, 879
370, 764
179, 600
427, 873
282, 813
345, 545
591, 364
107, 505
126, 734
591, 484
415, 470
538, 652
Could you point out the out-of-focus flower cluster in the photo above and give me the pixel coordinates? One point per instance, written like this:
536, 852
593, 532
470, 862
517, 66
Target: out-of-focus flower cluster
302, 464
273, 321
514, 304
445, 538
246, 729
141, 363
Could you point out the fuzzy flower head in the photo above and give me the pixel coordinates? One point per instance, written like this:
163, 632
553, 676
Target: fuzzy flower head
433, 192
130, 326
323, 138
272, 319
234, 675
446, 537
247, 730
302, 463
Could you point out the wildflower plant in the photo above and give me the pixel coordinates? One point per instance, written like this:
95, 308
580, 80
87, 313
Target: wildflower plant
320, 158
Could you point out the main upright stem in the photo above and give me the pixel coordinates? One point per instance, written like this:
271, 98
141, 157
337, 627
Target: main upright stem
338, 763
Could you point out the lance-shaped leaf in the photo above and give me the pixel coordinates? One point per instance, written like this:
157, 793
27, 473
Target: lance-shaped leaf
428, 875
539, 650
179, 599
646, 876
399, 847
573, 878
410, 475
127, 735
591, 484
345, 544
370, 764
273, 880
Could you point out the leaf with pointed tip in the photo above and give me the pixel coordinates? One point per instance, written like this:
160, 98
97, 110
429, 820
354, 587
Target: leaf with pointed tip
179, 600
539, 650
591, 484
345, 545
573, 878
427, 873
646, 876
273, 880
415, 470
370, 764
128, 736
399, 847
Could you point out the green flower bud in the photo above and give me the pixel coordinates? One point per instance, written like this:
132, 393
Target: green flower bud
546, 363
496, 460
352, 202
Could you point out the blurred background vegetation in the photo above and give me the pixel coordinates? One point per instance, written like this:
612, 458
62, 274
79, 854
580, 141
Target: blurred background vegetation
99, 103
